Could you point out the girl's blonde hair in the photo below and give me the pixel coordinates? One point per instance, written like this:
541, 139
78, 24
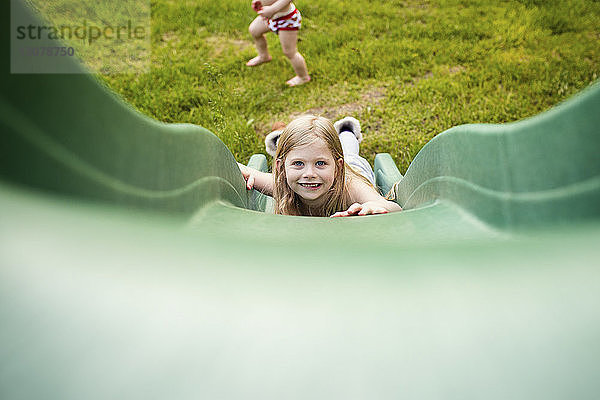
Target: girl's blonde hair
300, 132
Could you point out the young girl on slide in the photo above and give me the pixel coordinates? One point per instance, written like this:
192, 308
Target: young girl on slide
310, 176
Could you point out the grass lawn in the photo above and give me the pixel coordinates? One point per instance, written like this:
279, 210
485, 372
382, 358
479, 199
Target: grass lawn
407, 70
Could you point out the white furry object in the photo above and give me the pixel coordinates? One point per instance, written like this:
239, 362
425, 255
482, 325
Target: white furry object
349, 124
271, 142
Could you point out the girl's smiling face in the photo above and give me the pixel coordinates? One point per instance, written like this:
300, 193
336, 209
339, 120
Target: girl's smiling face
310, 171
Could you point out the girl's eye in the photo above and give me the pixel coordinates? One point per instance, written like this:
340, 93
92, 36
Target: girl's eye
297, 163
320, 163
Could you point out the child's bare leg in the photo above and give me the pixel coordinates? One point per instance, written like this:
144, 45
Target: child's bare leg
289, 40
257, 29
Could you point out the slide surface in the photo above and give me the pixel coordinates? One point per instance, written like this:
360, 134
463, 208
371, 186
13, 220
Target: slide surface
134, 264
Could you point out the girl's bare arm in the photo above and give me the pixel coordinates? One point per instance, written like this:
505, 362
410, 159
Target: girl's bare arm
270, 8
367, 200
261, 181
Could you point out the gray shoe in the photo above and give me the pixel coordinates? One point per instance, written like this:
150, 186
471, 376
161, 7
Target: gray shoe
349, 124
271, 141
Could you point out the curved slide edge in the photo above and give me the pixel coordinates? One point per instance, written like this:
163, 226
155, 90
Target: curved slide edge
70, 135
539, 171
386, 173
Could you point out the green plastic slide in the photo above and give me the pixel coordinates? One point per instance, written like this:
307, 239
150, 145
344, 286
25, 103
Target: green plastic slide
134, 264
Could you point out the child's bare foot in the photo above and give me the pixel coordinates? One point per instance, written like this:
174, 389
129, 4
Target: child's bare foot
257, 61
295, 81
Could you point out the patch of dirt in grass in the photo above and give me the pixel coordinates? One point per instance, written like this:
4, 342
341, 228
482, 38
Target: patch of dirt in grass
415, 4
221, 44
457, 69
369, 98
168, 37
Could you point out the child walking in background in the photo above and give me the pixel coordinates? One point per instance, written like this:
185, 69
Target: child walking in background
283, 18
310, 176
